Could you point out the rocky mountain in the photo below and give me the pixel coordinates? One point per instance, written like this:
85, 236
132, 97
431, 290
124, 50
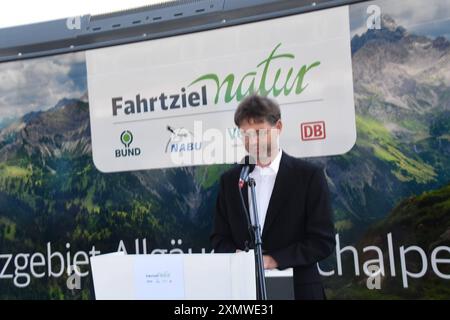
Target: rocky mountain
51, 133
401, 86
398, 74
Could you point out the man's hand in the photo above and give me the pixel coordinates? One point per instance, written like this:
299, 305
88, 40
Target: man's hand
269, 263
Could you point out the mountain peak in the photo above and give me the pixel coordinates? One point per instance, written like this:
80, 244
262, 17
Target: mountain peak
390, 31
64, 102
387, 22
441, 43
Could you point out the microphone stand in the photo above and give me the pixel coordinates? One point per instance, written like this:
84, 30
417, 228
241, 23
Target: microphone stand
261, 293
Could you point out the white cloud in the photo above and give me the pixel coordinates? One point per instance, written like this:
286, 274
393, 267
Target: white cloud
38, 84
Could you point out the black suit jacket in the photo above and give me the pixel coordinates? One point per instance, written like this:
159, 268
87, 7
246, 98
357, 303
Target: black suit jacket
298, 230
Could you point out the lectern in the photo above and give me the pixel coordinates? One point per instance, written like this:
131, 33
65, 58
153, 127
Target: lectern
174, 276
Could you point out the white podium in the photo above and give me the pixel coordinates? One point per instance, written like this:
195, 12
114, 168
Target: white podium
174, 276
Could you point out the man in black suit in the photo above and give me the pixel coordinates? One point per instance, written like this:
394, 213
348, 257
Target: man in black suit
292, 198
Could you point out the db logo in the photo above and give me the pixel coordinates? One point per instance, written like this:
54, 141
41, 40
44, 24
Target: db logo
313, 130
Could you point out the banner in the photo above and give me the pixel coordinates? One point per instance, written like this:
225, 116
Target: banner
184, 90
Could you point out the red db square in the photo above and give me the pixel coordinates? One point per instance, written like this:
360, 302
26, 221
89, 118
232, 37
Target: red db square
313, 130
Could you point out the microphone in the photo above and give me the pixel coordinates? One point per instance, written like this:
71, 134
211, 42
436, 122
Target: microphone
248, 164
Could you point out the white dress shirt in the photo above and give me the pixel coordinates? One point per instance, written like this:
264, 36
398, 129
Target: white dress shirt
265, 180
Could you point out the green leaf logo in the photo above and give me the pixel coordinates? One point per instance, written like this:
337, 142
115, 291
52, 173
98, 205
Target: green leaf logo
126, 138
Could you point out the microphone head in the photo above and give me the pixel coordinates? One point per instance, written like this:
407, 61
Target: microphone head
248, 160
247, 165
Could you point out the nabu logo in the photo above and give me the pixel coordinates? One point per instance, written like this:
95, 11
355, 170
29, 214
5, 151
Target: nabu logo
181, 140
126, 137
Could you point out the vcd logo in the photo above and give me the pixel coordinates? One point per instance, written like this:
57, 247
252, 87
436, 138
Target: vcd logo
126, 137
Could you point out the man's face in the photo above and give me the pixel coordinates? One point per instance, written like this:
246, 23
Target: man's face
261, 139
